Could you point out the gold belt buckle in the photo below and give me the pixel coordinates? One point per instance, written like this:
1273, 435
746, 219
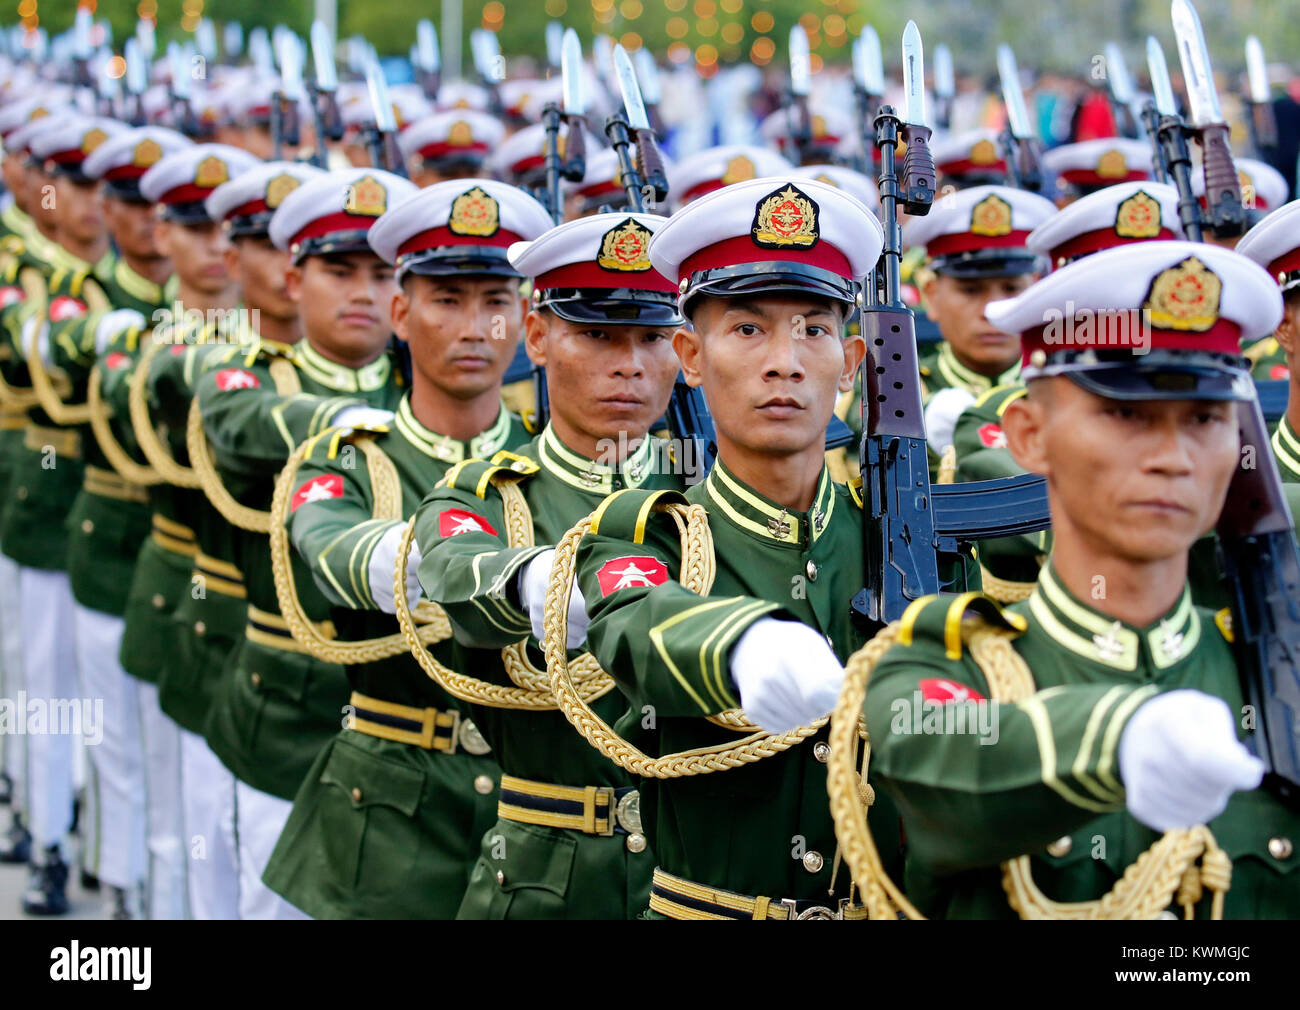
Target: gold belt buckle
453, 733
611, 816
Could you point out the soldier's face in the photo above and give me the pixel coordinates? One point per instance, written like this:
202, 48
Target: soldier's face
259, 268
197, 252
41, 201
79, 209
1135, 480
131, 225
771, 368
602, 380
15, 179
957, 307
462, 331
344, 303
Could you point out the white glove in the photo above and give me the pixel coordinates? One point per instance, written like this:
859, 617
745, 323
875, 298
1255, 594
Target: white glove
533, 580
786, 673
42, 339
941, 415
1180, 760
360, 416
114, 323
383, 568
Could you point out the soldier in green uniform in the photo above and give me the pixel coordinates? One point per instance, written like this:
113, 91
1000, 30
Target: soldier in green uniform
1118, 698
1117, 215
974, 241
768, 271
59, 281
386, 824
277, 705
159, 644
568, 842
1274, 245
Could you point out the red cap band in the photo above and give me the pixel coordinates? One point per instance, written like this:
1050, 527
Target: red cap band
441, 148
189, 193
248, 209
331, 223
438, 238
1122, 329
592, 275
1090, 177
733, 251
1102, 238
1285, 263
964, 166
968, 241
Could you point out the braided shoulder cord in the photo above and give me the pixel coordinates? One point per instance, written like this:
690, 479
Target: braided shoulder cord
158, 454
118, 458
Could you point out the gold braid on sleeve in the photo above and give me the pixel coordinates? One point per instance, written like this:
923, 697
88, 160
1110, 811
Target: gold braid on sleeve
387, 491
158, 454
118, 458
696, 574
1166, 872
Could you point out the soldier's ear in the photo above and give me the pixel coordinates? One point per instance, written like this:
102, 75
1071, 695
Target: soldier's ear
230, 256
537, 326
1286, 329
293, 282
399, 311
855, 349
686, 342
1024, 423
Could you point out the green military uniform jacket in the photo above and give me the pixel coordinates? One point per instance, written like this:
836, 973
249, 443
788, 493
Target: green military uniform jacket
763, 829
544, 871
15, 227
50, 284
110, 518
940, 369
1267, 360
1046, 782
1286, 447
405, 848
276, 706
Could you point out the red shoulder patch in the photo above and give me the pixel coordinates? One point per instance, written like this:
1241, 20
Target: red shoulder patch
66, 307
176, 350
993, 436
939, 689
454, 522
321, 488
236, 378
10, 296
631, 572
1279, 372
116, 360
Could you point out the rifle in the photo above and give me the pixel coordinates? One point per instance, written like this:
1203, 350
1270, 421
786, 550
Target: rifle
1257, 548
136, 82
382, 134
1019, 142
648, 74
798, 119
180, 59
910, 525
425, 59
487, 61
285, 100
324, 94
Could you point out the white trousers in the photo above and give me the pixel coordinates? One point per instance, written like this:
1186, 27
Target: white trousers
208, 802
117, 757
259, 820
166, 896
50, 680
13, 746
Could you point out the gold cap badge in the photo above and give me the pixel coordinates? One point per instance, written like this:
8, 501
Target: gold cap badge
146, 153
984, 152
624, 247
92, 140
1112, 165
211, 172
1138, 217
786, 217
474, 212
1185, 297
278, 188
460, 134
991, 217
738, 169
366, 197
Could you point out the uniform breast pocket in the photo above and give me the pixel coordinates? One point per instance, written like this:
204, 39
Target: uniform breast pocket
1260, 836
367, 816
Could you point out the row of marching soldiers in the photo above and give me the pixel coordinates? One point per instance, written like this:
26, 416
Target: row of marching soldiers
321, 579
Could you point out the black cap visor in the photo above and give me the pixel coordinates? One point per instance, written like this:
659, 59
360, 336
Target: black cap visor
614, 306
352, 241
1159, 375
989, 263
191, 213
776, 277
487, 261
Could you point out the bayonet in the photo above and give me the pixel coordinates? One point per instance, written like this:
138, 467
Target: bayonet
148, 40
1122, 93
945, 85
1161, 88
798, 116
649, 163
1263, 122
916, 185
1018, 138
383, 138
205, 40
868, 63
290, 94
1168, 135
232, 40
648, 74
324, 93
554, 44
1224, 214
427, 61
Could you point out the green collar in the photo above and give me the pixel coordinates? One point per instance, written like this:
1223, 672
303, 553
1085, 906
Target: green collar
17, 222
589, 475
750, 511
450, 450
42, 248
959, 376
1108, 642
140, 288
347, 380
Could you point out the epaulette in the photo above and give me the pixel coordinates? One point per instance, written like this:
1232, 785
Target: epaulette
624, 514
475, 475
13, 245
1223, 621
335, 438
855, 491
939, 619
1003, 395
528, 418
